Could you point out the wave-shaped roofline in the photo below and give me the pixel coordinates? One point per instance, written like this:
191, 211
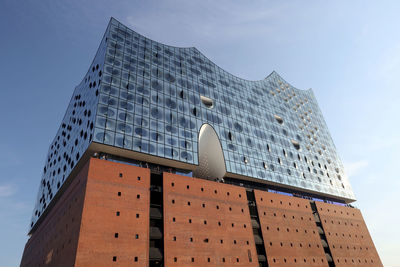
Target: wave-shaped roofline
195, 48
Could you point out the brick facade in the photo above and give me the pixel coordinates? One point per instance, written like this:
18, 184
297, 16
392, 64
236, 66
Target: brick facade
103, 219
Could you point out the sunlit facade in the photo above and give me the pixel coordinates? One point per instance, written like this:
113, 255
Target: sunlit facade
170, 117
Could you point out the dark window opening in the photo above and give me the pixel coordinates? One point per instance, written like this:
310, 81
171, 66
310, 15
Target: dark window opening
230, 136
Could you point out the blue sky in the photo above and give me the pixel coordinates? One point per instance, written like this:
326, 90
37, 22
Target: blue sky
347, 51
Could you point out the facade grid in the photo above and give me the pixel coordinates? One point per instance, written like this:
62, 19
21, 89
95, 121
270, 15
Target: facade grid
143, 96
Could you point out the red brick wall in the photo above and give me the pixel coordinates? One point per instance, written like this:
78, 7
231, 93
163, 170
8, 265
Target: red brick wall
97, 242
55, 241
80, 229
348, 237
289, 231
205, 223
217, 212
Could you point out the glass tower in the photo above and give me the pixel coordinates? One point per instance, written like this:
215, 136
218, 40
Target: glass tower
144, 100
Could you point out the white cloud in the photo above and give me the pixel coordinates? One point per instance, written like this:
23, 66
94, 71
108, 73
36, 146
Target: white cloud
210, 20
7, 190
353, 168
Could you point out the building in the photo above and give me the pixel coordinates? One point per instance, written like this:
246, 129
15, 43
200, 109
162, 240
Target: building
165, 159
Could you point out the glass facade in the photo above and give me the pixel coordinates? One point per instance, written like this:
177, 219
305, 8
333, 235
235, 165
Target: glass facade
151, 98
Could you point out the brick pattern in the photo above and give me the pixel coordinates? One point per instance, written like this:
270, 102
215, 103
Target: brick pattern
102, 219
115, 220
289, 231
54, 242
206, 224
347, 235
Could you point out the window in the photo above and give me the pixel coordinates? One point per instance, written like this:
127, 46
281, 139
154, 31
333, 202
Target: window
230, 136
116, 235
114, 258
265, 165
208, 102
194, 112
295, 144
278, 119
119, 194
117, 213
